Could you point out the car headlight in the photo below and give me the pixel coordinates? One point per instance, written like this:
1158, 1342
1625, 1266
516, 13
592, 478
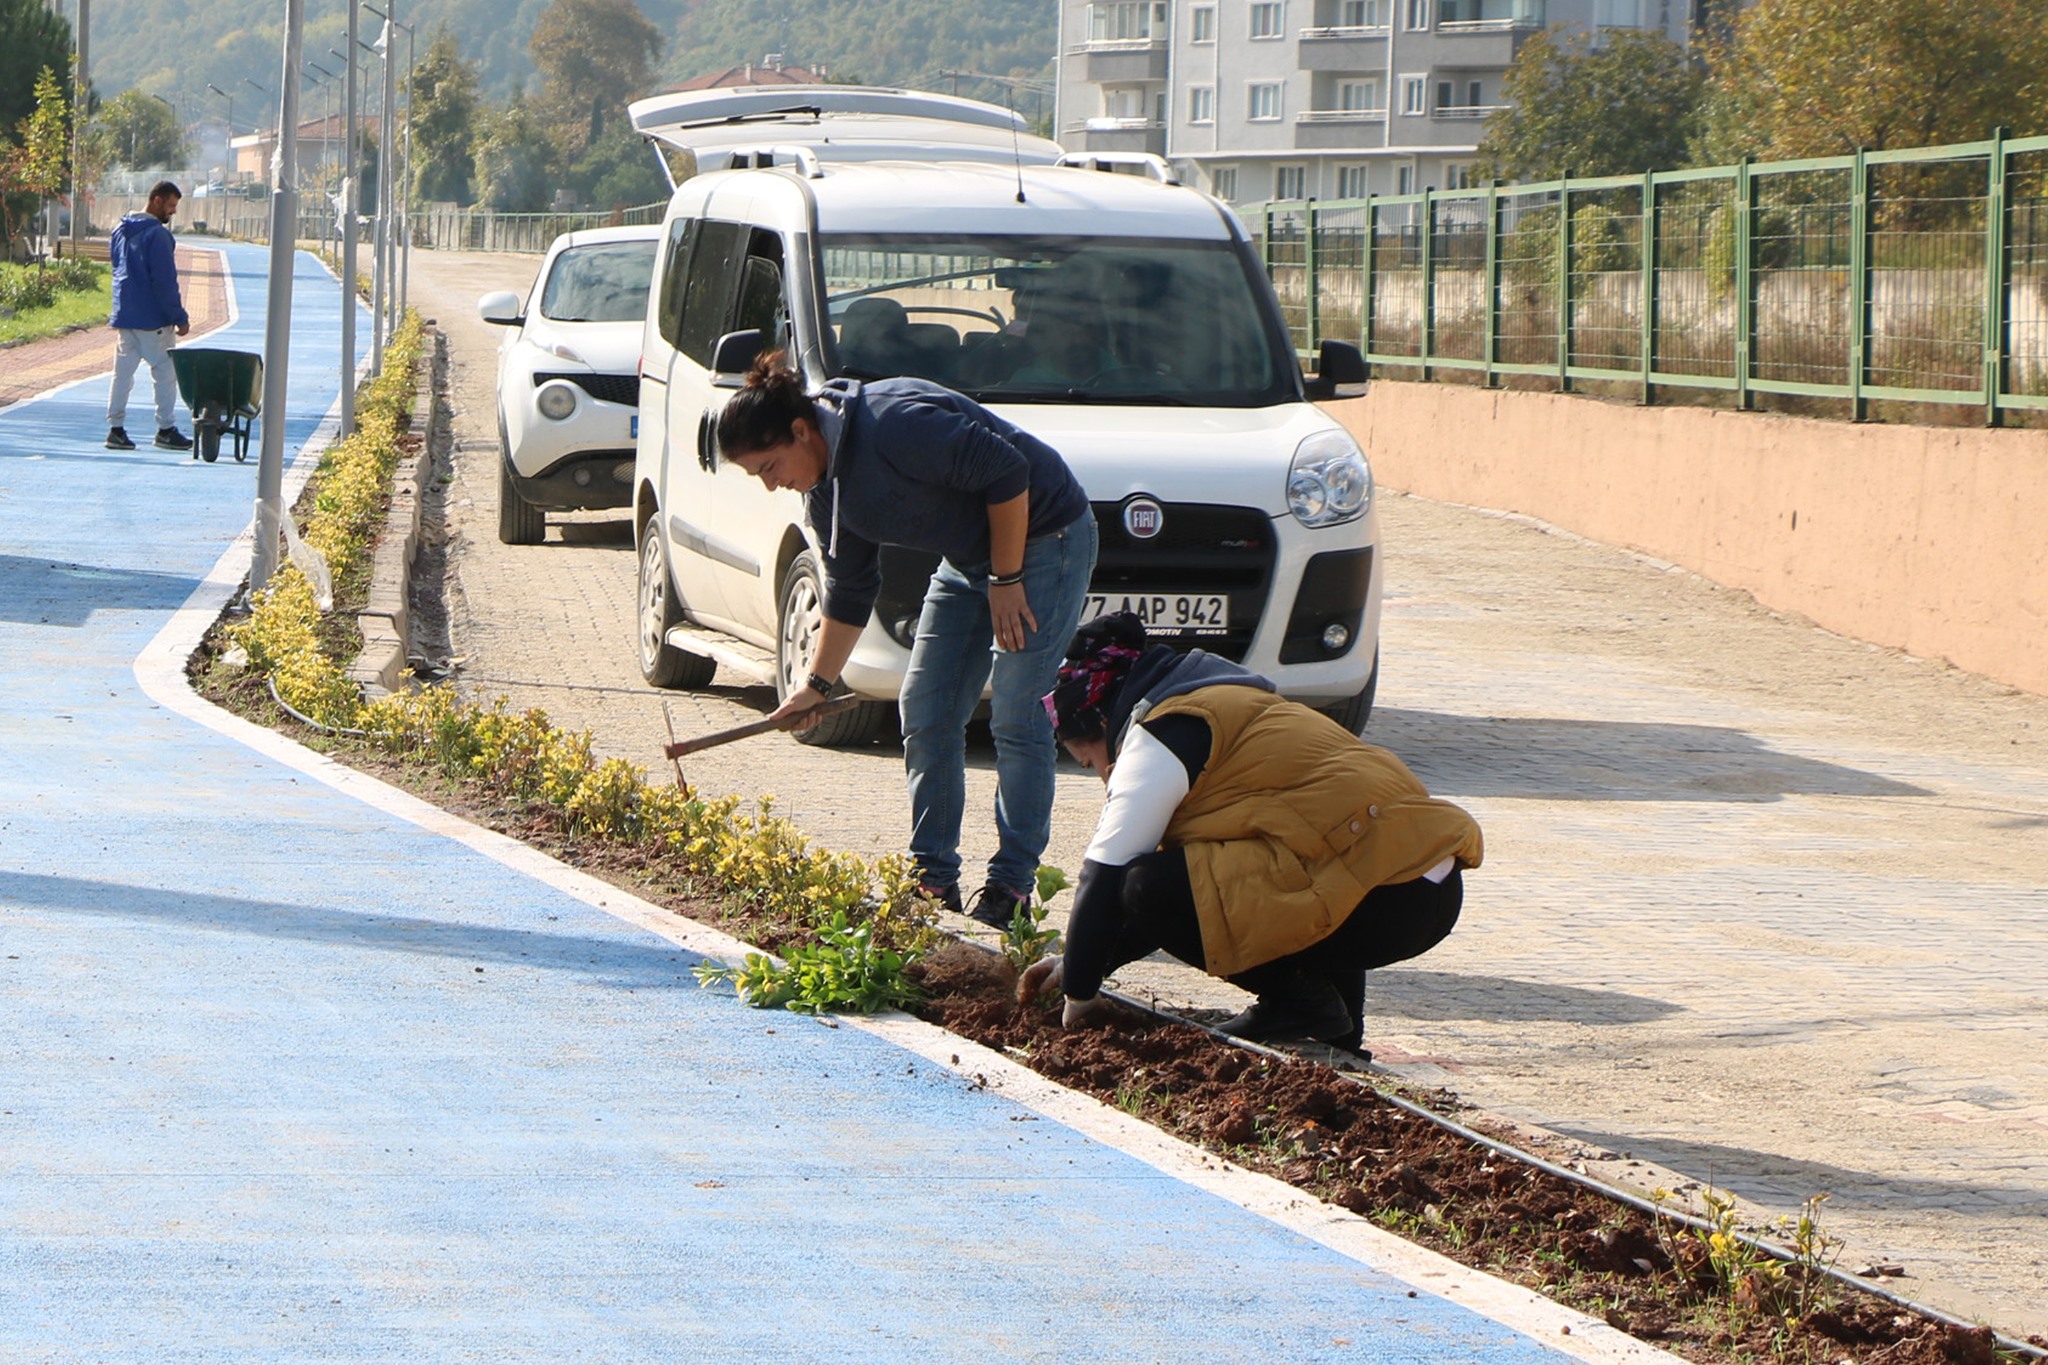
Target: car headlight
1329, 481
555, 399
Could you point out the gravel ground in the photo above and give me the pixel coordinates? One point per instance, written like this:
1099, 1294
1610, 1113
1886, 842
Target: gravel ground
1762, 906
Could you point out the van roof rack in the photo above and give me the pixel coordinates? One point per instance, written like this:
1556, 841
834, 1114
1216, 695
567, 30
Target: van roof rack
803, 159
1145, 163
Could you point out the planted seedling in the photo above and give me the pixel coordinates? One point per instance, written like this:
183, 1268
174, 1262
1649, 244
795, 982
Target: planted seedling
1026, 940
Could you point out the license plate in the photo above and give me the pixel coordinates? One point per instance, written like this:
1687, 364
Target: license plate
1184, 613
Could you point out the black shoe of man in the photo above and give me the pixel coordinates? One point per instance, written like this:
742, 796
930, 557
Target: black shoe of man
1318, 1015
170, 438
117, 439
997, 906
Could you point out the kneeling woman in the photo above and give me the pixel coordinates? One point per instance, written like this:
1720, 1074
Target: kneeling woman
1245, 834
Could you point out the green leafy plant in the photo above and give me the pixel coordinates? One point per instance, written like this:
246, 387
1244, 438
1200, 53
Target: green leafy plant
844, 970
1026, 940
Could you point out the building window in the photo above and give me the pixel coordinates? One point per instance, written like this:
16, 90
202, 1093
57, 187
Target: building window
1362, 13
1351, 182
1223, 183
1414, 95
1202, 24
1123, 101
1290, 182
1404, 180
1618, 13
1264, 105
1358, 97
1415, 15
1472, 94
1201, 104
1457, 175
1266, 20
1446, 95
1126, 21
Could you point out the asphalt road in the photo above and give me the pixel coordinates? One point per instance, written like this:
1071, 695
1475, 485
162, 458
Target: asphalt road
1762, 906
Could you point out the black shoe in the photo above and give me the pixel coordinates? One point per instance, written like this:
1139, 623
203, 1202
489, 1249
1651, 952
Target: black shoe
1318, 1016
947, 896
170, 438
997, 906
117, 439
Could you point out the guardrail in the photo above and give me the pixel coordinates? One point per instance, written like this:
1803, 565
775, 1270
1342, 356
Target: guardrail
1916, 276
484, 230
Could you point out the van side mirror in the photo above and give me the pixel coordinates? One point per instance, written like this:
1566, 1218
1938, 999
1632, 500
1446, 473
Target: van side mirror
500, 308
734, 355
1338, 363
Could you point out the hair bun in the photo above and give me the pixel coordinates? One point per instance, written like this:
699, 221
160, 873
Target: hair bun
1114, 630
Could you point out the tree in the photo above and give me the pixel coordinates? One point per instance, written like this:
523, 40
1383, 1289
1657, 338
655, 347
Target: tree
444, 112
1617, 103
32, 37
619, 169
34, 170
143, 130
514, 160
593, 56
1807, 78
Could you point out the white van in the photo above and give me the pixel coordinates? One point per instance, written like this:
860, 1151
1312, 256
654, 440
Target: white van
1122, 318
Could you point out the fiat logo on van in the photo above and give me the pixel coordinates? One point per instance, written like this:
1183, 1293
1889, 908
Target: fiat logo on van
1144, 518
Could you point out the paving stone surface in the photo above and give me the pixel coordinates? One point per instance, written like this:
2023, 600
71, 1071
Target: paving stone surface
1762, 906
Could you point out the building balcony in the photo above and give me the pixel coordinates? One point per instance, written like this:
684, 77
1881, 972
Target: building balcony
1115, 135
1342, 49
1341, 116
1468, 111
1482, 42
1121, 62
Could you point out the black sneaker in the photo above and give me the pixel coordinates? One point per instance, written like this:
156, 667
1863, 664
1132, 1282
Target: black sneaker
997, 906
947, 896
1319, 1016
170, 438
117, 439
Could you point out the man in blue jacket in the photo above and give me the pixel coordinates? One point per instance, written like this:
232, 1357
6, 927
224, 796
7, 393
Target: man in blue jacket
148, 316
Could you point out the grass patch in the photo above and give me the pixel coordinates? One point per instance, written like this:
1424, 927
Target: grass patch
53, 305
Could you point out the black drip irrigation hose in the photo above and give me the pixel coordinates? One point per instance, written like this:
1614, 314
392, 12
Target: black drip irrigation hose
302, 718
1601, 1187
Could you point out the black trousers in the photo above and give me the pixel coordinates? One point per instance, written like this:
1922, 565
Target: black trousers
1392, 924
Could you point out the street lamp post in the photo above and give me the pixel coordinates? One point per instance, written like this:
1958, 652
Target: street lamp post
174, 116
397, 300
348, 236
277, 317
256, 129
380, 258
80, 79
230, 144
326, 132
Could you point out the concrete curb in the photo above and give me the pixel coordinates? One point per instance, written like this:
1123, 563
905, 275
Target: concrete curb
386, 619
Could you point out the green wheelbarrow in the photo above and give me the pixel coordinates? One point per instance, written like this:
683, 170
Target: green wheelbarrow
224, 389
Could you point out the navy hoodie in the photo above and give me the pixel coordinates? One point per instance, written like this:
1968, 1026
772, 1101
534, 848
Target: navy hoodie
917, 465
145, 277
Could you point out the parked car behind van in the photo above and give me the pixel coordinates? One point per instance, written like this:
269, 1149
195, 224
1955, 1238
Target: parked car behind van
1122, 318
569, 378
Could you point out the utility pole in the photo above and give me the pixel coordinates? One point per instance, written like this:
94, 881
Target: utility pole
348, 242
277, 316
380, 267
81, 77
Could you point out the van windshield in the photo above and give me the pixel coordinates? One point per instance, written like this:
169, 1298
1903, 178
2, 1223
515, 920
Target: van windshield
1057, 319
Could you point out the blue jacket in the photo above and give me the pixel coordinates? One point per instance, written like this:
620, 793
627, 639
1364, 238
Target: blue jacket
915, 464
145, 276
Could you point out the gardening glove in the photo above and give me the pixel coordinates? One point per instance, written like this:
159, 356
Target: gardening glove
1084, 1013
1040, 977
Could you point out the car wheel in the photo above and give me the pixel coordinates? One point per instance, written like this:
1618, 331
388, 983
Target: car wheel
796, 637
1353, 712
519, 521
661, 663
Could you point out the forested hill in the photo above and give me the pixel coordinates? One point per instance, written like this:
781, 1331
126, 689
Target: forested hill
176, 47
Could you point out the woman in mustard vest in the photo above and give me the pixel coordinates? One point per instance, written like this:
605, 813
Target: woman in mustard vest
1246, 834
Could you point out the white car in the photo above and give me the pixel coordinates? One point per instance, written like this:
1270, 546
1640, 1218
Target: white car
1122, 318
569, 378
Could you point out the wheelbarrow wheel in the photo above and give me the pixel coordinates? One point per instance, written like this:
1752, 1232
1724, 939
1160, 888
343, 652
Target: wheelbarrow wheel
208, 436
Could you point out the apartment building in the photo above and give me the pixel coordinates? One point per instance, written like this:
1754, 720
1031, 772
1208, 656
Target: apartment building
1297, 99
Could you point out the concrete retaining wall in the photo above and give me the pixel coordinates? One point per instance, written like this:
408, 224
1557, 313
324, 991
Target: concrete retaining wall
1927, 539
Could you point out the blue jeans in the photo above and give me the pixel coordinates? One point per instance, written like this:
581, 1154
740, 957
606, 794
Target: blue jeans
949, 663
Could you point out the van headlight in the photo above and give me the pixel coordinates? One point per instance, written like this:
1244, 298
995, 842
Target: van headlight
1329, 481
555, 400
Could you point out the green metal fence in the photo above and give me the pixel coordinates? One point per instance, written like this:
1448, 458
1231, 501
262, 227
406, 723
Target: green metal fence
1915, 276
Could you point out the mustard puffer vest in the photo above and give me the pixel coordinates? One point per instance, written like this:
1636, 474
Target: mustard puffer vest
1292, 821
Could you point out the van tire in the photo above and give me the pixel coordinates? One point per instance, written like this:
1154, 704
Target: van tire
1353, 712
661, 663
798, 622
519, 521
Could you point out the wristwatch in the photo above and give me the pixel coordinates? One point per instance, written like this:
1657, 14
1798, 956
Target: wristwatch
821, 684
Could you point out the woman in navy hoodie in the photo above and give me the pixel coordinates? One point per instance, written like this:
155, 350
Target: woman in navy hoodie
911, 463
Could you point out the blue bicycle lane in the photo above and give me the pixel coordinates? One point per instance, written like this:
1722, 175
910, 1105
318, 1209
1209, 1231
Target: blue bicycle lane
294, 1068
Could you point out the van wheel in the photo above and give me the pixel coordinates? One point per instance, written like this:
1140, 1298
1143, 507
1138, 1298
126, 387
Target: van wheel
796, 636
1353, 712
661, 663
519, 521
